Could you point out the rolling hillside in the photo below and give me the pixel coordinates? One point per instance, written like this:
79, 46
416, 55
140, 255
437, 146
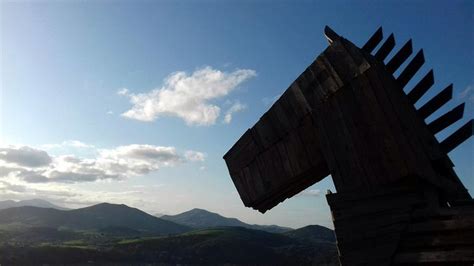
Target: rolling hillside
32, 202
313, 233
95, 217
111, 233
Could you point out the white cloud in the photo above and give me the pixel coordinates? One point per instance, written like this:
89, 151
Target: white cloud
67, 143
310, 193
236, 107
270, 100
467, 94
110, 112
188, 97
123, 91
24, 156
194, 156
37, 166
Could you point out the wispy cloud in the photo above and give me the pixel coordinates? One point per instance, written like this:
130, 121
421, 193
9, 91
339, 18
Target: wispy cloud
123, 91
188, 97
310, 193
194, 156
37, 166
467, 94
236, 107
68, 143
267, 101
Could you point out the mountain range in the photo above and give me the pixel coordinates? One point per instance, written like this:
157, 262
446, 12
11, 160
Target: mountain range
117, 234
95, 217
32, 202
200, 219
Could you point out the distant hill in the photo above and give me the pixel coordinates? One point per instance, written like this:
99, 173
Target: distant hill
313, 233
199, 218
32, 202
100, 216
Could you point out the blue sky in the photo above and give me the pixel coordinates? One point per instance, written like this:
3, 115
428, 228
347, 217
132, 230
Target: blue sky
63, 65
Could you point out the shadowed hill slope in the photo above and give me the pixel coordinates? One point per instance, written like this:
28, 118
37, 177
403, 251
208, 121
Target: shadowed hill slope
91, 218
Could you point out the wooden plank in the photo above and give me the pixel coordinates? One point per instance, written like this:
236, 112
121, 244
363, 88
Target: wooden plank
355, 118
343, 204
361, 257
289, 110
361, 245
444, 213
386, 48
241, 142
331, 35
455, 239
373, 41
380, 137
320, 83
400, 57
279, 120
381, 194
264, 183
324, 78
339, 59
446, 119
248, 184
298, 102
296, 153
242, 153
436, 102
322, 116
411, 69
328, 153
466, 223
272, 171
346, 149
241, 189
421, 87
310, 140
404, 139
373, 221
353, 236
283, 165
382, 207
375, 124
310, 88
265, 131
458, 137
334, 79
411, 122
363, 150
356, 55
455, 257
417, 134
